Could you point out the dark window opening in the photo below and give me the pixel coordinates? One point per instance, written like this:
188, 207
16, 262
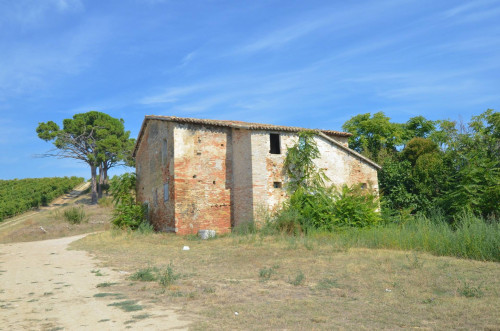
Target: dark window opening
275, 143
277, 184
363, 186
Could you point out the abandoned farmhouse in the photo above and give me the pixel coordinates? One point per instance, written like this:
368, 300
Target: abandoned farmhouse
199, 174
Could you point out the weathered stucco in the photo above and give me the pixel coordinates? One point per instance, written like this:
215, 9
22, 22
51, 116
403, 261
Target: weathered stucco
221, 176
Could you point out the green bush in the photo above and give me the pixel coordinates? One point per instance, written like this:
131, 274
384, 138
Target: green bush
128, 216
149, 274
327, 209
74, 215
313, 205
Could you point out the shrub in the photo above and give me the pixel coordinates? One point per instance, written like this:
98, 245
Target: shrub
122, 188
74, 215
148, 274
313, 205
327, 209
105, 202
128, 216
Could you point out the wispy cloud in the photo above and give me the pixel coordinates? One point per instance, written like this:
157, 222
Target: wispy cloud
473, 11
28, 66
283, 36
328, 18
188, 58
171, 94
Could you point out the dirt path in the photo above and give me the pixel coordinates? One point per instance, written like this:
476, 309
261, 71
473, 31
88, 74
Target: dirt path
67, 198
44, 286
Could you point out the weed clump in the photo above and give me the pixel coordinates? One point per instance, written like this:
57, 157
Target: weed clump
74, 215
167, 276
148, 274
164, 277
299, 279
470, 291
266, 273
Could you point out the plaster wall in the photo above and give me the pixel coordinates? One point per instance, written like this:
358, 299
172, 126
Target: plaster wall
242, 197
267, 169
154, 168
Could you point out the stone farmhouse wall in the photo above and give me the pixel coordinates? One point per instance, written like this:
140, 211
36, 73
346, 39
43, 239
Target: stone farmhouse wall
195, 176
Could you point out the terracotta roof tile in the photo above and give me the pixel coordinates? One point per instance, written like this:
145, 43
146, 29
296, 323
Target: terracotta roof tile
243, 125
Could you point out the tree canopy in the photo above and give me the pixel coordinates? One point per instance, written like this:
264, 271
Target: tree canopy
92, 137
434, 165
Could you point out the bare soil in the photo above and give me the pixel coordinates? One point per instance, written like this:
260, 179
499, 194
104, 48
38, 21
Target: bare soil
45, 286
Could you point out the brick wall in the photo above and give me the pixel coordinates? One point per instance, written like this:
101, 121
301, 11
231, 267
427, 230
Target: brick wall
203, 177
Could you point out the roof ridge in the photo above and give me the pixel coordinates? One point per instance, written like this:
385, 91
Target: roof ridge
241, 124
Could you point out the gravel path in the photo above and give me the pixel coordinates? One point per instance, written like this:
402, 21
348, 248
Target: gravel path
44, 286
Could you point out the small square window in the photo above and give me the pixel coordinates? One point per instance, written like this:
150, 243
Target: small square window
277, 184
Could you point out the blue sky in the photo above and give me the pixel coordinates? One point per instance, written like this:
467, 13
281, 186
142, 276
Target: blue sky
301, 63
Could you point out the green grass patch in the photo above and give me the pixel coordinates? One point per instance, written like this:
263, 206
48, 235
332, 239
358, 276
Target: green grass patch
127, 305
97, 272
106, 294
149, 274
105, 284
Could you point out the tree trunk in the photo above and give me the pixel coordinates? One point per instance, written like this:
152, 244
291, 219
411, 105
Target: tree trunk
101, 181
93, 183
105, 177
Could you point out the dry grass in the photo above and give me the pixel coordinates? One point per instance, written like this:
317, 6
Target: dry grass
339, 288
52, 220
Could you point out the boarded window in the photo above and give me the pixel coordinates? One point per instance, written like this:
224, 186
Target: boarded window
165, 192
164, 152
275, 143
